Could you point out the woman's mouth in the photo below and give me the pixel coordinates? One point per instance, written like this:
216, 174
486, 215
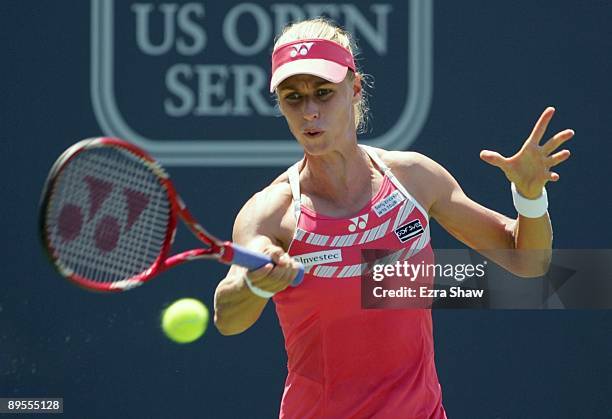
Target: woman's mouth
313, 133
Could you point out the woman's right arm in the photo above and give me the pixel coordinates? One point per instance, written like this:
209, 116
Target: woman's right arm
257, 227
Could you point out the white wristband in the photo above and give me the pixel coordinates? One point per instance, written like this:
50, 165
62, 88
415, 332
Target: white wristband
257, 291
530, 208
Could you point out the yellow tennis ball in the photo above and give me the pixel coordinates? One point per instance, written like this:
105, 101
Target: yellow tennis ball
185, 320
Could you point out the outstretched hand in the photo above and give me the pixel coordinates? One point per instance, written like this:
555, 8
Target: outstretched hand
530, 167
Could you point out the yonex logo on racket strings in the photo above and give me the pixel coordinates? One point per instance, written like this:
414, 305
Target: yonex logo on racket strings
301, 49
107, 231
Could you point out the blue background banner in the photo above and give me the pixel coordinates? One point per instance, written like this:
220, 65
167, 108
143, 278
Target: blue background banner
495, 66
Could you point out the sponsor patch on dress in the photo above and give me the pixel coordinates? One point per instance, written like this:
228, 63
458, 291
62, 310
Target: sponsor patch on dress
387, 204
409, 230
320, 258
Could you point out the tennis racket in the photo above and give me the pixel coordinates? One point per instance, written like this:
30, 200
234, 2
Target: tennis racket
108, 217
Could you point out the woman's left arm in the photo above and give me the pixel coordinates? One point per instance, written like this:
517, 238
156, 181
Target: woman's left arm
529, 236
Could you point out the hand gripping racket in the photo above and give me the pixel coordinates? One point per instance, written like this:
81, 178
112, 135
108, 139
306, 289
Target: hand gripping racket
108, 217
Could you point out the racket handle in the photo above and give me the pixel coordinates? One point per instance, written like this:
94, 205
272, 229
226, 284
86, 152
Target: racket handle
254, 260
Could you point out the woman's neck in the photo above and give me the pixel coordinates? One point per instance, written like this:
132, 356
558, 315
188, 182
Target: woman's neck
341, 176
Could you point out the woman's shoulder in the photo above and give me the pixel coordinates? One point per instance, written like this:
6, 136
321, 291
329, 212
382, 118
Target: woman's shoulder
405, 160
266, 213
415, 171
273, 199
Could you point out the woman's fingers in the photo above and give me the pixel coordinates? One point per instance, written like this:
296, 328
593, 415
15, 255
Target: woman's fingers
540, 127
493, 158
557, 140
557, 158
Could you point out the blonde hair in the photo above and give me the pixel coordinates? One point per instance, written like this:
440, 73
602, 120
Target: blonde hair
321, 28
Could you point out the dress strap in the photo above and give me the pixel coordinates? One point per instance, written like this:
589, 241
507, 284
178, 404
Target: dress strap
374, 156
294, 181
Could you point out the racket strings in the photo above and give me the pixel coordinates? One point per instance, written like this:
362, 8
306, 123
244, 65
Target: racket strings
108, 215
125, 262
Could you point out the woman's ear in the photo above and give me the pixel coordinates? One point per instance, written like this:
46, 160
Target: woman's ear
357, 88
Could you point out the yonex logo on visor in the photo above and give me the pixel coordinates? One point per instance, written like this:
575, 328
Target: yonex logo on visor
301, 49
318, 57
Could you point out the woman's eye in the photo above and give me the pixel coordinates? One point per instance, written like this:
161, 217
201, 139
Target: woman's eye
292, 96
323, 92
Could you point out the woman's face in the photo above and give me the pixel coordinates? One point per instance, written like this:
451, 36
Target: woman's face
320, 114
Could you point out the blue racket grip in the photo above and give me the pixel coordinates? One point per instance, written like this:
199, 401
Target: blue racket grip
254, 260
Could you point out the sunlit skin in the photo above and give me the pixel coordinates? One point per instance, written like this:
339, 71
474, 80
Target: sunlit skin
337, 179
530, 167
321, 117
313, 105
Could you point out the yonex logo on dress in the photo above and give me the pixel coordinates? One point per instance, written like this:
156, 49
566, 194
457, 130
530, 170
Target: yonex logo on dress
301, 49
360, 222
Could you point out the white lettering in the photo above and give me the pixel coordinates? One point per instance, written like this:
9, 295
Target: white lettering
191, 28
250, 82
357, 23
377, 273
212, 82
181, 91
460, 292
224, 89
187, 25
143, 40
373, 31
426, 292
389, 270
211, 91
263, 34
402, 292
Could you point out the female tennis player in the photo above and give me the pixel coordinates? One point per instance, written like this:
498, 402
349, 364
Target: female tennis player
341, 198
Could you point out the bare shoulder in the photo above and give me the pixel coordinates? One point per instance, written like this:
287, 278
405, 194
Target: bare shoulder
407, 161
283, 178
417, 173
266, 213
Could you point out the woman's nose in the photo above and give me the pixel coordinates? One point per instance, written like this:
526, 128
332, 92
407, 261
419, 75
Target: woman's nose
311, 110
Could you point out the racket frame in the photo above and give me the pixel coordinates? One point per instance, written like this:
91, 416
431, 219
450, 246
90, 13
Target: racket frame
222, 251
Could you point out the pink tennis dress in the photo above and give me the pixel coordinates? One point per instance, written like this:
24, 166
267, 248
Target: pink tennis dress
345, 361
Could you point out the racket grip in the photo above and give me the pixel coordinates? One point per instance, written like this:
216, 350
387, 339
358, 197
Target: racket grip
254, 260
